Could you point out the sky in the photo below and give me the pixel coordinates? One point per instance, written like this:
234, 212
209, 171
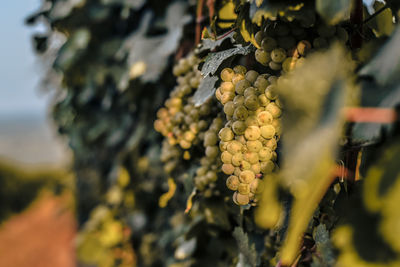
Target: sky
20, 69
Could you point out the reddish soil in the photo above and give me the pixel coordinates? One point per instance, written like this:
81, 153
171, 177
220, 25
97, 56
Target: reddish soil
41, 236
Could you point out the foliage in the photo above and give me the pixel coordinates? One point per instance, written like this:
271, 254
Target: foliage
333, 199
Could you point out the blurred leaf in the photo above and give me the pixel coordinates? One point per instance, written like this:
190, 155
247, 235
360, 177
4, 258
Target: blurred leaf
270, 9
72, 50
333, 11
382, 24
312, 127
385, 66
153, 52
247, 251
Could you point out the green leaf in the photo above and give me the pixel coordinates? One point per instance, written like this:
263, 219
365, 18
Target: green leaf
333, 11
214, 60
385, 66
382, 24
205, 91
312, 126
248, 253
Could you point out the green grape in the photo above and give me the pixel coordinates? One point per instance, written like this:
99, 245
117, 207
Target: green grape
271, 93
263, 100
267, 166
229, 108
277, 125
257, 186
226, 97
251, 76
210, 138
247, 176
232, 182
258, 37
262, 56
252, 133
251, 121
237, 159
249, 91
240, 113
268, 44
223, 146
278, 55
226, 157
239, 127
254, 146
228, 168
227, 87
303, 47
272, 79
267, 131
189, 136
245, 165
275, 111
241, 86
279, 103
234, 147
240, 69
265, 154
218, 94
212, 151
272, 144
226, 134
261, 83
251, 102
264, 118
256, 168
237, 77
238, 100
275, 66
251, 157
241, 199
243, 189
241, 139
227, 74
288, 64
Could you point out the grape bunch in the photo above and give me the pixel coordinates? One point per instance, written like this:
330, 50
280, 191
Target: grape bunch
283, 45
180, 121
207, 173
249, 139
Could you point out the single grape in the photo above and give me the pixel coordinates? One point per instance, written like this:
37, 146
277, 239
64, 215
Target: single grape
227, 74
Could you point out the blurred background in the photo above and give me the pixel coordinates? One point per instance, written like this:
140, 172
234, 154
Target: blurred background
35, 186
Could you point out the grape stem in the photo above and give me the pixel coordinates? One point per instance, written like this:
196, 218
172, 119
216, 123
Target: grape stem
199, 20
356, 19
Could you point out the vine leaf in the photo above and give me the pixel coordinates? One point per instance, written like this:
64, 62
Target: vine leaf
214, 60
152, 52
248, 253
312, 127
333, 11
385, 66
205, 91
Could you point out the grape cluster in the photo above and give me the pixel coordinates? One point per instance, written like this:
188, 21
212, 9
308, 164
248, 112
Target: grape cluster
283, 45
180, 121
207, 173
249, 139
